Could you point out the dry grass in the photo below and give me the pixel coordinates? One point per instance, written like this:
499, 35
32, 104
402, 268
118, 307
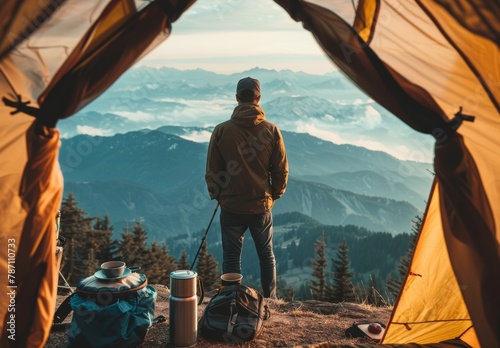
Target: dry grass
296, 323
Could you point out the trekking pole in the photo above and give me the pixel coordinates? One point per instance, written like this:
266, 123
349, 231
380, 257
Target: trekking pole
205, 235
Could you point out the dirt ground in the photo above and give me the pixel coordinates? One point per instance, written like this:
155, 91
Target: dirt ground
296, 323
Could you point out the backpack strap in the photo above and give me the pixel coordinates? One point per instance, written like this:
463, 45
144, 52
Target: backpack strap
63, 310
93, 288
233, 314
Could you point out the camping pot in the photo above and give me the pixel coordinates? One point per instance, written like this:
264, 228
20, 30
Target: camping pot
184, 307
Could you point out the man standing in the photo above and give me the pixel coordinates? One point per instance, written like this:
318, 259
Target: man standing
247, 171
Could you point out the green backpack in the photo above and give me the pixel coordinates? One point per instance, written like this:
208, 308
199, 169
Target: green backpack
235, 314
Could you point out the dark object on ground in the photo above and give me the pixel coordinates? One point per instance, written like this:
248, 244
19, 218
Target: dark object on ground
234, 315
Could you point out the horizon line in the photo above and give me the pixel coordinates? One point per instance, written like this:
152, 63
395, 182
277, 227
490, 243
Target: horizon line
159, 65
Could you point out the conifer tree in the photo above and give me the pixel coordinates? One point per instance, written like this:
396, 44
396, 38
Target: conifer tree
90, 264
158, 270
394, 284
183, 263
75, 227
143, 254
126, 248
341, 289
103, 231
133, 249
208, 268
319, 264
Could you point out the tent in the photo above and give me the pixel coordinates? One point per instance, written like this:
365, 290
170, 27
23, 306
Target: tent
433, 64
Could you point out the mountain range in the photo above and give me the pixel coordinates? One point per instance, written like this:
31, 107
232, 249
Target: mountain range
328, 106
138, 152
157, 177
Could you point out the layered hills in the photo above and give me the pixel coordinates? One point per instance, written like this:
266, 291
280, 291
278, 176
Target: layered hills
157, 177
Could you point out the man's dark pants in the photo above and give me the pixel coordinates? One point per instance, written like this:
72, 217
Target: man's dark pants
233, 227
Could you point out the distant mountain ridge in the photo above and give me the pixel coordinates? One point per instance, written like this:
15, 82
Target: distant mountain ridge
138, 151
158, 178
328, 106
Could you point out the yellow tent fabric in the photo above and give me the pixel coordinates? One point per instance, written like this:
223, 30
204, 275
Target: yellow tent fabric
30, 187
423, 311
57, 75
431, 63
15, 31
425, 61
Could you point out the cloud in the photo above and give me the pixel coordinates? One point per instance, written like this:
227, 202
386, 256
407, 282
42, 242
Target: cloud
198, 136
370, 119
88, 130
136, 116
320, 133
399, 151
200, 113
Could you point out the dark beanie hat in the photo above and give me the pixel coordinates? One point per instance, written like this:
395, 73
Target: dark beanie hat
248, 88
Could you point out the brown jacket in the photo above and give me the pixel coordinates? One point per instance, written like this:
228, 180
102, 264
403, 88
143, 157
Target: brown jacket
247, 166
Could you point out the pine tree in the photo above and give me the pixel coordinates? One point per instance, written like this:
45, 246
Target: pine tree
76, 228
183, 263
126, 248
319, 264
208, 269
103, 232
133, 249
143, 254
394, 284
342, 289
161, 265
90, 264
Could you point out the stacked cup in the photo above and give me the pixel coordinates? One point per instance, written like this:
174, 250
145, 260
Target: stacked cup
113, 269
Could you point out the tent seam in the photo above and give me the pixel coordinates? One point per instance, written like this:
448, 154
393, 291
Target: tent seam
461, 54
429, 321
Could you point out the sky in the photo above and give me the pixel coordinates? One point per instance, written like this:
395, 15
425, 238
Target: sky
229, 36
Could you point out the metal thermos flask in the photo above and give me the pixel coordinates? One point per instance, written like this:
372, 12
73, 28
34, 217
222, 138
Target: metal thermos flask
183, 308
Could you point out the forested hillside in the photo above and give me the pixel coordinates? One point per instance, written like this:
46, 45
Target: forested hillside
371, 257
158, 178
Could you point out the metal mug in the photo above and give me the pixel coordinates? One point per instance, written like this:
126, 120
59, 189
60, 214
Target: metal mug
231, 279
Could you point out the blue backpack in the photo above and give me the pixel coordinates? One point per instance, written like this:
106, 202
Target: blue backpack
109, 313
